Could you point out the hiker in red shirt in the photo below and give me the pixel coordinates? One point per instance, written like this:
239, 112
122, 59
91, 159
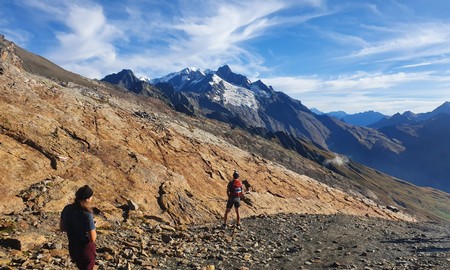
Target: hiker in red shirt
234, 193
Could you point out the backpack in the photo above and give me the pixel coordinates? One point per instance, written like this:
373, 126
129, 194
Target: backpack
235, 188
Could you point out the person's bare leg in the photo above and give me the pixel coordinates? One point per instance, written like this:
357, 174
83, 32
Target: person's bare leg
226, 216
238, 219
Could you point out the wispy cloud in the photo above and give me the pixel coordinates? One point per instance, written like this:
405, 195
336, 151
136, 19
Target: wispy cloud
353, 82
337, 161
363, 81
428, 62
294, 85
409, 42
89, 36
217, 38
52, 7
84, 38
205, 36
361, 91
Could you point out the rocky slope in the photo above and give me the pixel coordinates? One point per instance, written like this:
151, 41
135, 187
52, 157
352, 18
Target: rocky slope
132, 148
264, 242
149, 166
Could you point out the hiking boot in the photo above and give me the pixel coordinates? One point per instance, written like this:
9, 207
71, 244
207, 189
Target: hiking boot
223, 226
238, 226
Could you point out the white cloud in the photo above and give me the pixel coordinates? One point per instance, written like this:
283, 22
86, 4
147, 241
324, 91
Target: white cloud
344, 39
354, 82
361, 103
337, 161
362, 91
89, 38
215, 39
294, 85
204, 41
438, 60
363, 81
52, 7
19, 37
86, 45
205, 36
408, 42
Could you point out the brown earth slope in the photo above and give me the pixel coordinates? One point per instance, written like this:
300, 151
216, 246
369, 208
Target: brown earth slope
69, 131
131, 148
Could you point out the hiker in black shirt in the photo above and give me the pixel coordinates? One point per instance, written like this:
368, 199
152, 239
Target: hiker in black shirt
78, 221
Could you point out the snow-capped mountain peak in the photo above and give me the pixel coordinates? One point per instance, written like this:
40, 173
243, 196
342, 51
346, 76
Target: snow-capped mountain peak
223, 86
190, 70
225, 73
179, 79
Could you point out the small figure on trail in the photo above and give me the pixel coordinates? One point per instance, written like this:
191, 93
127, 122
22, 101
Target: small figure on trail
78, 221
234, 193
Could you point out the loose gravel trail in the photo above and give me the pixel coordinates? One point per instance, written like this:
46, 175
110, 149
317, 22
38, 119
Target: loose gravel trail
284, 241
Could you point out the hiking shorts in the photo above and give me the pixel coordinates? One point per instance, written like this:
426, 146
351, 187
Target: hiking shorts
236, 202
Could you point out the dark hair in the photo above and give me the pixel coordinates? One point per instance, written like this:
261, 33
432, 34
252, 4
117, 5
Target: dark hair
235, 175
83, 193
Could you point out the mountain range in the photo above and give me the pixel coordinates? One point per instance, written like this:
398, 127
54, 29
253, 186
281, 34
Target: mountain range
410, 117
377, 120
357, 119
259, 109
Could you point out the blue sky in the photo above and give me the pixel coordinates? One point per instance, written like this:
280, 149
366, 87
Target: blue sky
351, 55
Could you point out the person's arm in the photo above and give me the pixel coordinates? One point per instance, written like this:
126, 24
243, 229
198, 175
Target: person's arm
62, 218
62, 227
92, 234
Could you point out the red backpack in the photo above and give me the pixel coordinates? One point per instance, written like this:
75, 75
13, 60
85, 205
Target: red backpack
235, 188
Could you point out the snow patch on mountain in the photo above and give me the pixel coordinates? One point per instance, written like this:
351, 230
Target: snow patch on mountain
186, 74
164, 79
185, 78
235, 95
216, 80
258, 91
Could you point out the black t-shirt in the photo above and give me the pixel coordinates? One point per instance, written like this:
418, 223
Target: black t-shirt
77, 222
